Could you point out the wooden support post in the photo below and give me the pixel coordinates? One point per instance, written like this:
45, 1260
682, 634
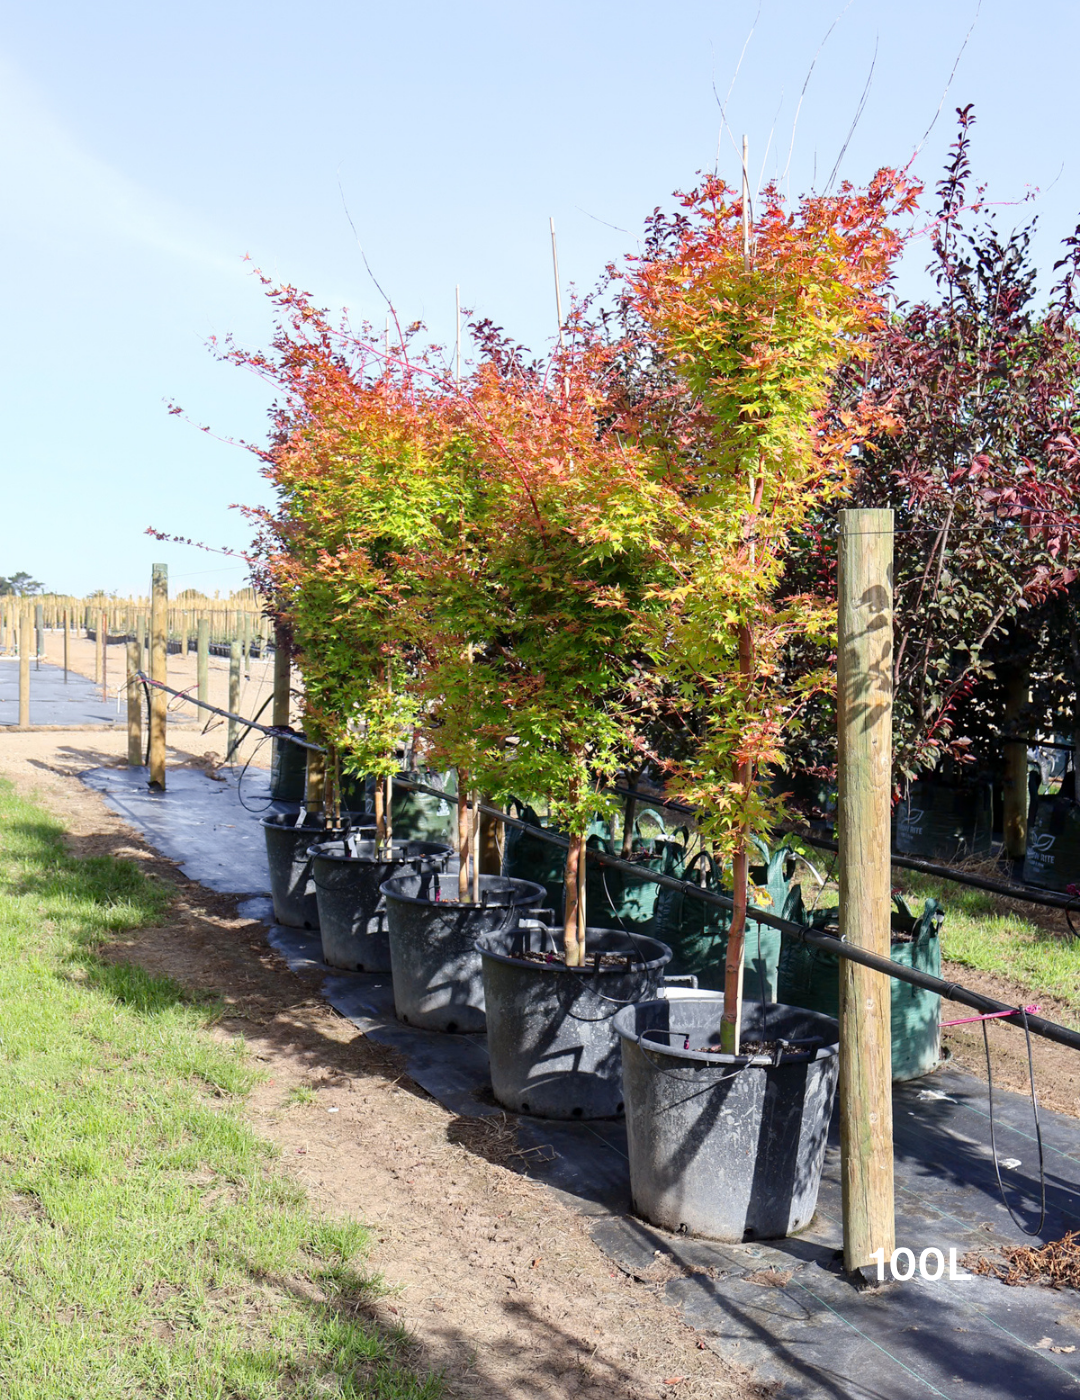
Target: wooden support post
39, 635
140, 629
65, 627
99, 648
282, 698
24, 667
1014, 788
202, 661
104, 622
864, 721
234, 697
134, 707
159, 671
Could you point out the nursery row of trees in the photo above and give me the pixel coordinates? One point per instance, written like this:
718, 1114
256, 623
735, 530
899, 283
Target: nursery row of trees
549, 575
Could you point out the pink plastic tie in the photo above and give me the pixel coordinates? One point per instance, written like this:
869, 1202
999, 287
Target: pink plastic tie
990, 1016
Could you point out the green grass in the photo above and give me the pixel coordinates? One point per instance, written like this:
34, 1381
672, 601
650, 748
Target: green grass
977, 933
148, 1245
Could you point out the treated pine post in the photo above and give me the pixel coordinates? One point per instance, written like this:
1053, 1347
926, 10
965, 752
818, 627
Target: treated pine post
1014, 787
234, 695
864, 723
104, 655
280, 712
140, 628
99, 645
202, 661
64, 623
134, 707
39, 635
159, 664
24, 668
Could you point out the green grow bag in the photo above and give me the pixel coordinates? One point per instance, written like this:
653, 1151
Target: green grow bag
613, 898
1052, 858
697, 932
288, 771
417, 816
945, 823
810, 977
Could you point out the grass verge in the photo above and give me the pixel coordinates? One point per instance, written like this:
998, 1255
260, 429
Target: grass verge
981, 932
148, 1247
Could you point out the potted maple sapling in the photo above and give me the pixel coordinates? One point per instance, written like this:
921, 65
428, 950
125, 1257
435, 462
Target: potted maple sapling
355, 460
550, 575
755, 321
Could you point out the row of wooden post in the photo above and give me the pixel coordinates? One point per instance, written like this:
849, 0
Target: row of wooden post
864, 715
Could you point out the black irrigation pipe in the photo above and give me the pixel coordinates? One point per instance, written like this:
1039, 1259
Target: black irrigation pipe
1035, 743
952, 991
1024, 893
826, 942
228, 714
927, 867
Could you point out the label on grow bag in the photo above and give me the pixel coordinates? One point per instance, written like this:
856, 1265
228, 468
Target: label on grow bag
930, 1265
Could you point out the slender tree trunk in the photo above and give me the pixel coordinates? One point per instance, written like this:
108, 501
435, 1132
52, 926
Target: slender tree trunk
629, 815
574, 902
731, 1022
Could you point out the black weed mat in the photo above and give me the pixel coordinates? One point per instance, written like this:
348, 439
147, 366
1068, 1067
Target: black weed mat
783, 1306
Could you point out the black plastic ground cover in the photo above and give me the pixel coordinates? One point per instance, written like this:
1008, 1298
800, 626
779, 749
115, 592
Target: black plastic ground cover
53, 702
782, 1307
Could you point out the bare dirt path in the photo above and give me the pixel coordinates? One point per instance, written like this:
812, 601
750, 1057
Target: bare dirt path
498, 1282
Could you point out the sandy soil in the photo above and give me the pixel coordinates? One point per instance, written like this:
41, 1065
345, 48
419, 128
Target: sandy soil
497, 1281
256, 687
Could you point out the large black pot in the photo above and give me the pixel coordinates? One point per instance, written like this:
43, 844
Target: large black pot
438, 978
352, 914
719, 1145
551, 1028
288, 836
1052, 859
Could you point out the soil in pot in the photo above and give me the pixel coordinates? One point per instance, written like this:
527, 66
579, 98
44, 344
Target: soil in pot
352, 912
438, 979
551, 1028
730, 1147
288, 836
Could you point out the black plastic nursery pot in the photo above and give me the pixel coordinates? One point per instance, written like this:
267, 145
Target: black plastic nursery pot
551, 1028
438, 977
722, 1145
288, 837
288, 771
352, 914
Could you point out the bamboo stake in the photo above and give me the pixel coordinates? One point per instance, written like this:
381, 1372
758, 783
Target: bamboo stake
583, 841
134, 708
558, 303
457, 353
380, 814
475, 844
389, 813
24, 667
571, 899
463, 837
159, 666
864, 723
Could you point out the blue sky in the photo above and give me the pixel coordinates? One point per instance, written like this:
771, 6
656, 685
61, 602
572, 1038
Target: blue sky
146, 149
